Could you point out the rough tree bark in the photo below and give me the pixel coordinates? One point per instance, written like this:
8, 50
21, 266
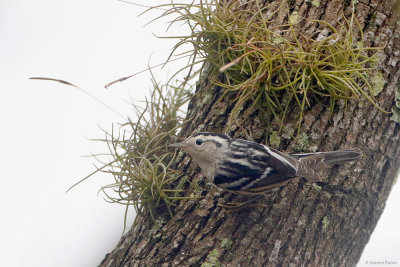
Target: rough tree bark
302, 224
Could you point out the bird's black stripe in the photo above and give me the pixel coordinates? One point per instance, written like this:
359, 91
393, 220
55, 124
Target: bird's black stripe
238, 155
246, 145
240, 186
231, 171
274, 177
262, 164
259, 158
220, 178
218, 144
234, 172
230, 181
240, 167
223, 136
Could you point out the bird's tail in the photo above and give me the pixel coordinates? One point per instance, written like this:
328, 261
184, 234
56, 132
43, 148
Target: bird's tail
321, 160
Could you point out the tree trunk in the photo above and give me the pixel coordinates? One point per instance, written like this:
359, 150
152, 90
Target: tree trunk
301, 224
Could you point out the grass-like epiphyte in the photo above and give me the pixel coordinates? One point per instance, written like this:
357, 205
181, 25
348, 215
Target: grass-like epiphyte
140, 161
273, 63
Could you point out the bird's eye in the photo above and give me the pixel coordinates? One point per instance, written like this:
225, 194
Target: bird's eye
199, 142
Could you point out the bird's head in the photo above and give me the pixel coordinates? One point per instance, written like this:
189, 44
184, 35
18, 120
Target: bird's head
207, 149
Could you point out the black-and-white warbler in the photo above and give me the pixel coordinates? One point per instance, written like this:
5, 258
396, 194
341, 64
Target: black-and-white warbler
249, 167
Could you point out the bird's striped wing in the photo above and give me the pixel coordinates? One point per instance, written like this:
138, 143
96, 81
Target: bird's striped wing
285, 163
254, 167
323, 160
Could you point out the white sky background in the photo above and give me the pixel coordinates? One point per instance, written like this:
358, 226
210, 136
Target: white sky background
45, 126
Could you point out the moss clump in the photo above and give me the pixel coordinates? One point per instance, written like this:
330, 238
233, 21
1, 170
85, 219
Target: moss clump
274, 139
325, 223
212, 259
396, 115
226, 243
377, 83
316, 187
302, 143
315, 3
271, 63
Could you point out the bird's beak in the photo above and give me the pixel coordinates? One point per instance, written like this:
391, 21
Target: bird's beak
178, 145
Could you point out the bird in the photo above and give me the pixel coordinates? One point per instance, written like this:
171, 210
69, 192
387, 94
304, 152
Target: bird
248, 167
